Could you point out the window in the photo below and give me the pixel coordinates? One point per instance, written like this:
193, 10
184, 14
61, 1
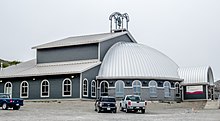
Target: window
119, 89
8, 88
85, 87
104, 88
166, 86
67, 87
136, 87
153, 88
177, 89
93, 88
45, 87
24, 90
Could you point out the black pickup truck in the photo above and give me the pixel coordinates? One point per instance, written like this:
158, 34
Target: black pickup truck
106, 103
7, 102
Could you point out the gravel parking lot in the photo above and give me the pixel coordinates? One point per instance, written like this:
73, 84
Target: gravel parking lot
84, 111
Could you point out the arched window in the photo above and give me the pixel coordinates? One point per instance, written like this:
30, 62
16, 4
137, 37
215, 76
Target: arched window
93, 88
24, 89
119, 88
45, 88
136, 87
166, 86
153, 88
67, 87
177, 89
85, 87
8, 88
104, 88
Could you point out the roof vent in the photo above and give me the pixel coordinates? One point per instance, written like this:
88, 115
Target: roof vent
119, 21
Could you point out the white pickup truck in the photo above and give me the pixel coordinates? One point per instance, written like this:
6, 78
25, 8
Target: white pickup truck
132, 103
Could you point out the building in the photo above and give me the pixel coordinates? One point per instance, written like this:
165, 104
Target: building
95, 65
198, 83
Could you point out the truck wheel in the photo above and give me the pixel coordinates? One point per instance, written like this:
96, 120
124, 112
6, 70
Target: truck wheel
4, 106
114, 111
16, 108
127, 110
143, 111
121, 108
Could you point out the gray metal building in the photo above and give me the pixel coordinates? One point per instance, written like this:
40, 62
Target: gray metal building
90, 66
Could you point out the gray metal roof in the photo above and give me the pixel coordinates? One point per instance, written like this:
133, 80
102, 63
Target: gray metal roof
79, 40
132, 60
30, 68
196, 75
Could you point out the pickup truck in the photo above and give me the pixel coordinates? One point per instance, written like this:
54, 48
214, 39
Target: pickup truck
7, 102
106, 103
132, 103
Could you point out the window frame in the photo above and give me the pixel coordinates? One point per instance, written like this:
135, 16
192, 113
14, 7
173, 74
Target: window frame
93, 86
104, 89
121, 90
167, 91
21, 87
85, 80
64, 85
177, 90
154, 88
136, 86
45, 80
11, 88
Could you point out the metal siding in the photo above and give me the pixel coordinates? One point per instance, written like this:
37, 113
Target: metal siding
196, 74
35, 86
90, 75
126, 59
71, 53
1, 87
105, 45
25, 69
85, 39
145, 91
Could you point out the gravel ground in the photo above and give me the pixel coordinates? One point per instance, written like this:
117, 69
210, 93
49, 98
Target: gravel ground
84, 111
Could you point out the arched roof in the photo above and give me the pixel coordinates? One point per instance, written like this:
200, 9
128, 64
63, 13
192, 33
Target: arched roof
133, 60
196, 75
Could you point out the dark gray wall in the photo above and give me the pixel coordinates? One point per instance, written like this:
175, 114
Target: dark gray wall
70, 53
34, 86
90, 75
194, 96
105, 45
145, 90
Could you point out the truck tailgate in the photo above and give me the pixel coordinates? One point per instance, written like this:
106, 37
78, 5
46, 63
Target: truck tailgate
138, 104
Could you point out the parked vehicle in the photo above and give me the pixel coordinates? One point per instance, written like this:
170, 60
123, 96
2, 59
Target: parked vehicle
7, 102
132, 103
106, 103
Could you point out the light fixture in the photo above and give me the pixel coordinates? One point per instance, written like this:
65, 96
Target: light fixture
72, 77
0, 81
33, 78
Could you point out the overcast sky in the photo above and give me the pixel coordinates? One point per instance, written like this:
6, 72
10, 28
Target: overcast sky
188, 31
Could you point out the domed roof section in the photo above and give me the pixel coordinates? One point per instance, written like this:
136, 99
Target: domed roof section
132, 60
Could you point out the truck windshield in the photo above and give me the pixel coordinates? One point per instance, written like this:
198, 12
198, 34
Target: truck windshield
108, 99
134, 98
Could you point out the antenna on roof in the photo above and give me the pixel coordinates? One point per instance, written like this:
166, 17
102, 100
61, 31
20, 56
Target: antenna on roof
118, 19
